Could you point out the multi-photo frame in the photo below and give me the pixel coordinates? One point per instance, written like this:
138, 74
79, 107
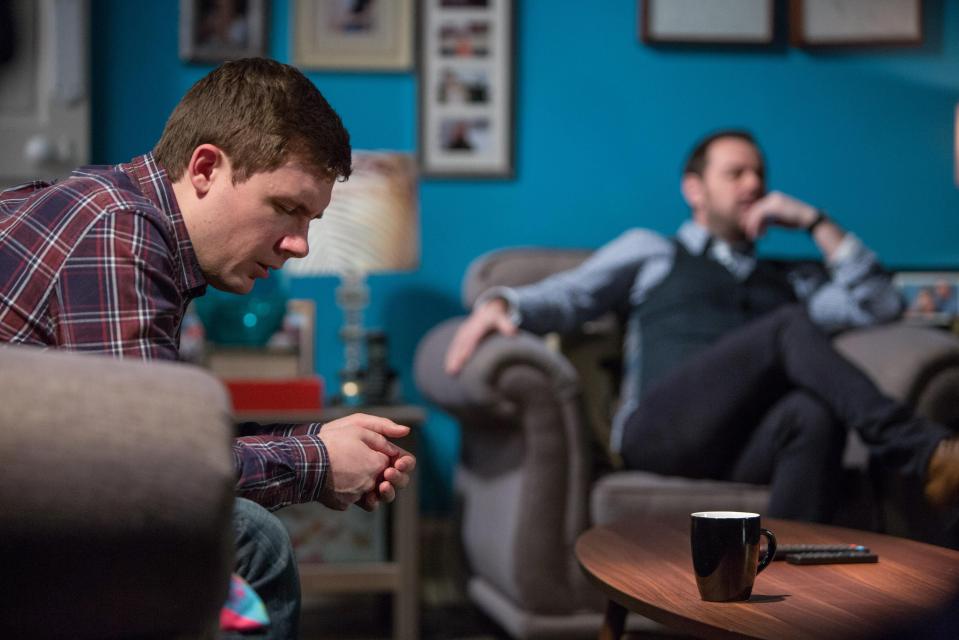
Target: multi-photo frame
466, 88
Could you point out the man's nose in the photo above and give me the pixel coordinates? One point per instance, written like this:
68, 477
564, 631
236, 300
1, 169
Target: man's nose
295, 245
752, 181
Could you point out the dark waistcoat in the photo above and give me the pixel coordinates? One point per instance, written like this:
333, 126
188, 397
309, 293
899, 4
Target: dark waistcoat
699, 301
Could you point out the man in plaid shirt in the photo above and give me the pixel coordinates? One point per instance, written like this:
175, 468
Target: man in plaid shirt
107, 261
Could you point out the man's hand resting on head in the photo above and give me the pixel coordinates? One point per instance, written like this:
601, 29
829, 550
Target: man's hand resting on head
365, 467
488, 317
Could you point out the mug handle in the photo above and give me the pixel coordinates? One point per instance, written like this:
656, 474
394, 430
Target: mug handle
770, 549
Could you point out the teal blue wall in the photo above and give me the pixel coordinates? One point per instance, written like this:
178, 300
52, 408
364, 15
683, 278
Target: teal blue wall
603, 122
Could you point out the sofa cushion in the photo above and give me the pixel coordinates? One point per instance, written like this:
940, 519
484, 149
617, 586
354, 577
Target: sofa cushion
635, 493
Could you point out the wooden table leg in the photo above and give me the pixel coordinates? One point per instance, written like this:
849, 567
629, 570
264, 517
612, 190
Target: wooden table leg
614, 622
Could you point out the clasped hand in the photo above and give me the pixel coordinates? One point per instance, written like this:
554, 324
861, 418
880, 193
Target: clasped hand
365, 467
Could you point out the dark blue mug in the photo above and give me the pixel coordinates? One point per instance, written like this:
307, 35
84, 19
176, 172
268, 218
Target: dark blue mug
725, 547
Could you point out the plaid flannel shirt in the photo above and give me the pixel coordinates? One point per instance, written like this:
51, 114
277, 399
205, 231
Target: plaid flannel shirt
102, 262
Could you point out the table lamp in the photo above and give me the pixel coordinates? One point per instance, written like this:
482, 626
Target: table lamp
371, 226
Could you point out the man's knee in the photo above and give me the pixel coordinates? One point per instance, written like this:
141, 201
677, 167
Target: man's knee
779, 323
792, 313
811, 421
264, 558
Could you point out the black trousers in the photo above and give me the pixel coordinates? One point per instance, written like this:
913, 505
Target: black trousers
771, 403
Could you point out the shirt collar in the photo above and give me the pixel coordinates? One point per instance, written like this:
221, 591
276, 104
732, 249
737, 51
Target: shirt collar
156, 186
739, 261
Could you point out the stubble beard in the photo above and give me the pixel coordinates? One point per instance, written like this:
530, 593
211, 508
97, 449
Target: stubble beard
725, 226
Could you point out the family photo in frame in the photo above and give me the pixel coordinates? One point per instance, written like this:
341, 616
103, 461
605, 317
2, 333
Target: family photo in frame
466, 92
220, 30
930, 297
352, 35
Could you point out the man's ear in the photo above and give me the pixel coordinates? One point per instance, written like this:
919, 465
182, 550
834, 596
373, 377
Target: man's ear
692, 188
207, 163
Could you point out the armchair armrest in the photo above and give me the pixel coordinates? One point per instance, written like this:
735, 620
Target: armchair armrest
478, 385
901, 359
116, 493
524, 466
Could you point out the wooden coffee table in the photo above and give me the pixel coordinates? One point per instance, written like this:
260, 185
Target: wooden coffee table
645, 566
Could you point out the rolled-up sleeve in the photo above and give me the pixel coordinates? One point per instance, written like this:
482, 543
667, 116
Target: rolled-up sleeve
858, 292
564, 300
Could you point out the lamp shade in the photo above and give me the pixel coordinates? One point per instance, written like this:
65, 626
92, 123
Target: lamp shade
372, 222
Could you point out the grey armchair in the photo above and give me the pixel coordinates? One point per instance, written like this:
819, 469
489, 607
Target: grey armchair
116, 488
530, 477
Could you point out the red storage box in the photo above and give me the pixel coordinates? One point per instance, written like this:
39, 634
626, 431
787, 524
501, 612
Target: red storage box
250, 394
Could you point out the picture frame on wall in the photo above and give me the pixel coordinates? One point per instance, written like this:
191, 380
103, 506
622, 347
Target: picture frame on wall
930, 297
855, 23
466, 88
736, 22
351, 35
220, 30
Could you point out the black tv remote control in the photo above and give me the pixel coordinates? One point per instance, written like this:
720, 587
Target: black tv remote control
831, 557
784, 550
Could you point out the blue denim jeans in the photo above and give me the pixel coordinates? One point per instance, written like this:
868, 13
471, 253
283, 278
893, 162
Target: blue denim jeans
264, 558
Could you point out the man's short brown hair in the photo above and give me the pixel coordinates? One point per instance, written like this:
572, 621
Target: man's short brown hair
696, 161
262, 113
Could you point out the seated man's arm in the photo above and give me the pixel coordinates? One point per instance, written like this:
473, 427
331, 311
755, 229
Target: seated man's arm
562, 301
857, 291
277, 429
353, 463
276, 471
854, 290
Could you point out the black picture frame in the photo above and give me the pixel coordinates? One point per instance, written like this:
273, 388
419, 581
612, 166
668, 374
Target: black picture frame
707, 22
855, 23
220, 31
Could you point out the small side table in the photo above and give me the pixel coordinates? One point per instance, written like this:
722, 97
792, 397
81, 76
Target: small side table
400, 574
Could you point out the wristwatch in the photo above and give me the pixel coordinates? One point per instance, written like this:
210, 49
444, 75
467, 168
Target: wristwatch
820, 218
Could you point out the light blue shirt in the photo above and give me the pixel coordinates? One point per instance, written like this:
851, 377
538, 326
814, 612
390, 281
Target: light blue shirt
849, 290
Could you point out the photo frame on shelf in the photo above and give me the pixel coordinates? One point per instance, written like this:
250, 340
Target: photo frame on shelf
218, 31
737, 22
855, 23
931, 297
466, 88
339, 35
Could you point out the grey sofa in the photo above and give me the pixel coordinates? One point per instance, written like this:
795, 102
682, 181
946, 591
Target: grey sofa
116, 487
532, 476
